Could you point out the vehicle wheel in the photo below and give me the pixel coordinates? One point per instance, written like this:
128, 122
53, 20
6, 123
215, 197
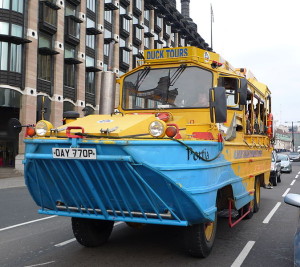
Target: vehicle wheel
256, 195
199, 238
90, 232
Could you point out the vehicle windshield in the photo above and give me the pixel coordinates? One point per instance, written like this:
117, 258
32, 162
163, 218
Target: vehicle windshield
294, 153
181, 87
282, 157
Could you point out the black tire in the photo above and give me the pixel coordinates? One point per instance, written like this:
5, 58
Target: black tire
256, 205
199, 238
90, 232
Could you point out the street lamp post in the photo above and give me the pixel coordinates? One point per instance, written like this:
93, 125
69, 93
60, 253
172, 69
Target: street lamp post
293, 142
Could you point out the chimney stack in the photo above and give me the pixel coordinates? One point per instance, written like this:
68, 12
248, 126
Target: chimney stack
185, 8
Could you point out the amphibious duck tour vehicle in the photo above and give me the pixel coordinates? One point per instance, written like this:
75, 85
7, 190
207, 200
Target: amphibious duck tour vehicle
190, 140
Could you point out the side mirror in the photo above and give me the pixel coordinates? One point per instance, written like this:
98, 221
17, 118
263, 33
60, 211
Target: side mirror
292, 199
241, 93
218, 105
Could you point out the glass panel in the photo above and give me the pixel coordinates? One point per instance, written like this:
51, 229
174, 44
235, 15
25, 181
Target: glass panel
107, 33
45, 41
69, 51
16, 58
108, 16
122, 42
16, 30
126, 24
4, 4
90, 23
161, 87
3, 55
106, 49
147, 15
70, 10
147, 42
90, 82
44, 69
138, 33
90, 41
159, 22
138, 4
74, 28
17, 5
91, 5
70, 71
68, 106
126, 57
4, 28
89, 62
50, 15
123, 10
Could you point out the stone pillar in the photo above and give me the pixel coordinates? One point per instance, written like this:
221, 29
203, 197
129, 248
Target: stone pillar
29, 100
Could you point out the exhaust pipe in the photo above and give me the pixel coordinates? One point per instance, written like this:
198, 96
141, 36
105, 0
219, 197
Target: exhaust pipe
108, 85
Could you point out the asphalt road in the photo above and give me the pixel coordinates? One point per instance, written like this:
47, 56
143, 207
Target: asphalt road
30, 239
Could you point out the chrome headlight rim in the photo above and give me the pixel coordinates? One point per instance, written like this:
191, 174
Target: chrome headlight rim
43, 127
157, 128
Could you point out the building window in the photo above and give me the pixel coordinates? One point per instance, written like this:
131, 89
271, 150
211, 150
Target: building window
15, 58
108, 16
49, 15
90, 41
90, 83
146, 43
45, 59
10, 57
91, 5
11, 29
3, 56
69, 73
45, 66
18, 5
4, 4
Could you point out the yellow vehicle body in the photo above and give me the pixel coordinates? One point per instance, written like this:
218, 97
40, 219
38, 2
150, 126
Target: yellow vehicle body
191, 137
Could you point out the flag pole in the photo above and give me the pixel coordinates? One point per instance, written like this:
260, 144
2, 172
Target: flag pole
211, 22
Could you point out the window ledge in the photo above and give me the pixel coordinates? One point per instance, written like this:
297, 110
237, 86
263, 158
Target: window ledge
47, 51
14, 39
72, 61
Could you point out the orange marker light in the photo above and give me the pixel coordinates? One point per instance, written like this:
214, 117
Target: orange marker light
171, 131
30, 131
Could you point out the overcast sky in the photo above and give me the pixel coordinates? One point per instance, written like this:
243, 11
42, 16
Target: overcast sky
260, 35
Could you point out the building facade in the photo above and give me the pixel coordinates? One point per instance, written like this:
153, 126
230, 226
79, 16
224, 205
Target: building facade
52, 54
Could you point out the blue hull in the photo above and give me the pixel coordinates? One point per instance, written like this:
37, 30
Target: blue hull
157, 182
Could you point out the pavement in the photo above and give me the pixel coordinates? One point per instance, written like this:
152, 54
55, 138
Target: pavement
10, 177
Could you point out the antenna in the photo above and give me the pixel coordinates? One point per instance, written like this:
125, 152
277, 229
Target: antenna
211, 22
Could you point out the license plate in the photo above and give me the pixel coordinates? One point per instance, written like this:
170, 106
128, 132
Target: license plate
74, 153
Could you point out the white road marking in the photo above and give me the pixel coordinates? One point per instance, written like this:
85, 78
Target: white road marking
296, 176
21, 224
65, 242
292, 183
74, 239
244, 253
268, 218
286, 191
40, 264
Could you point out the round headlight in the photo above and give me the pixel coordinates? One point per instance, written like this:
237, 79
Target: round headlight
42, 127
157, 128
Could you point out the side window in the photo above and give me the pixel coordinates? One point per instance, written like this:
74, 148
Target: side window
231, 85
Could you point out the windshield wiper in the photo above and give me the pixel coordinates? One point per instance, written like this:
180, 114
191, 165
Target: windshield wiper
177, 74
141, 77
